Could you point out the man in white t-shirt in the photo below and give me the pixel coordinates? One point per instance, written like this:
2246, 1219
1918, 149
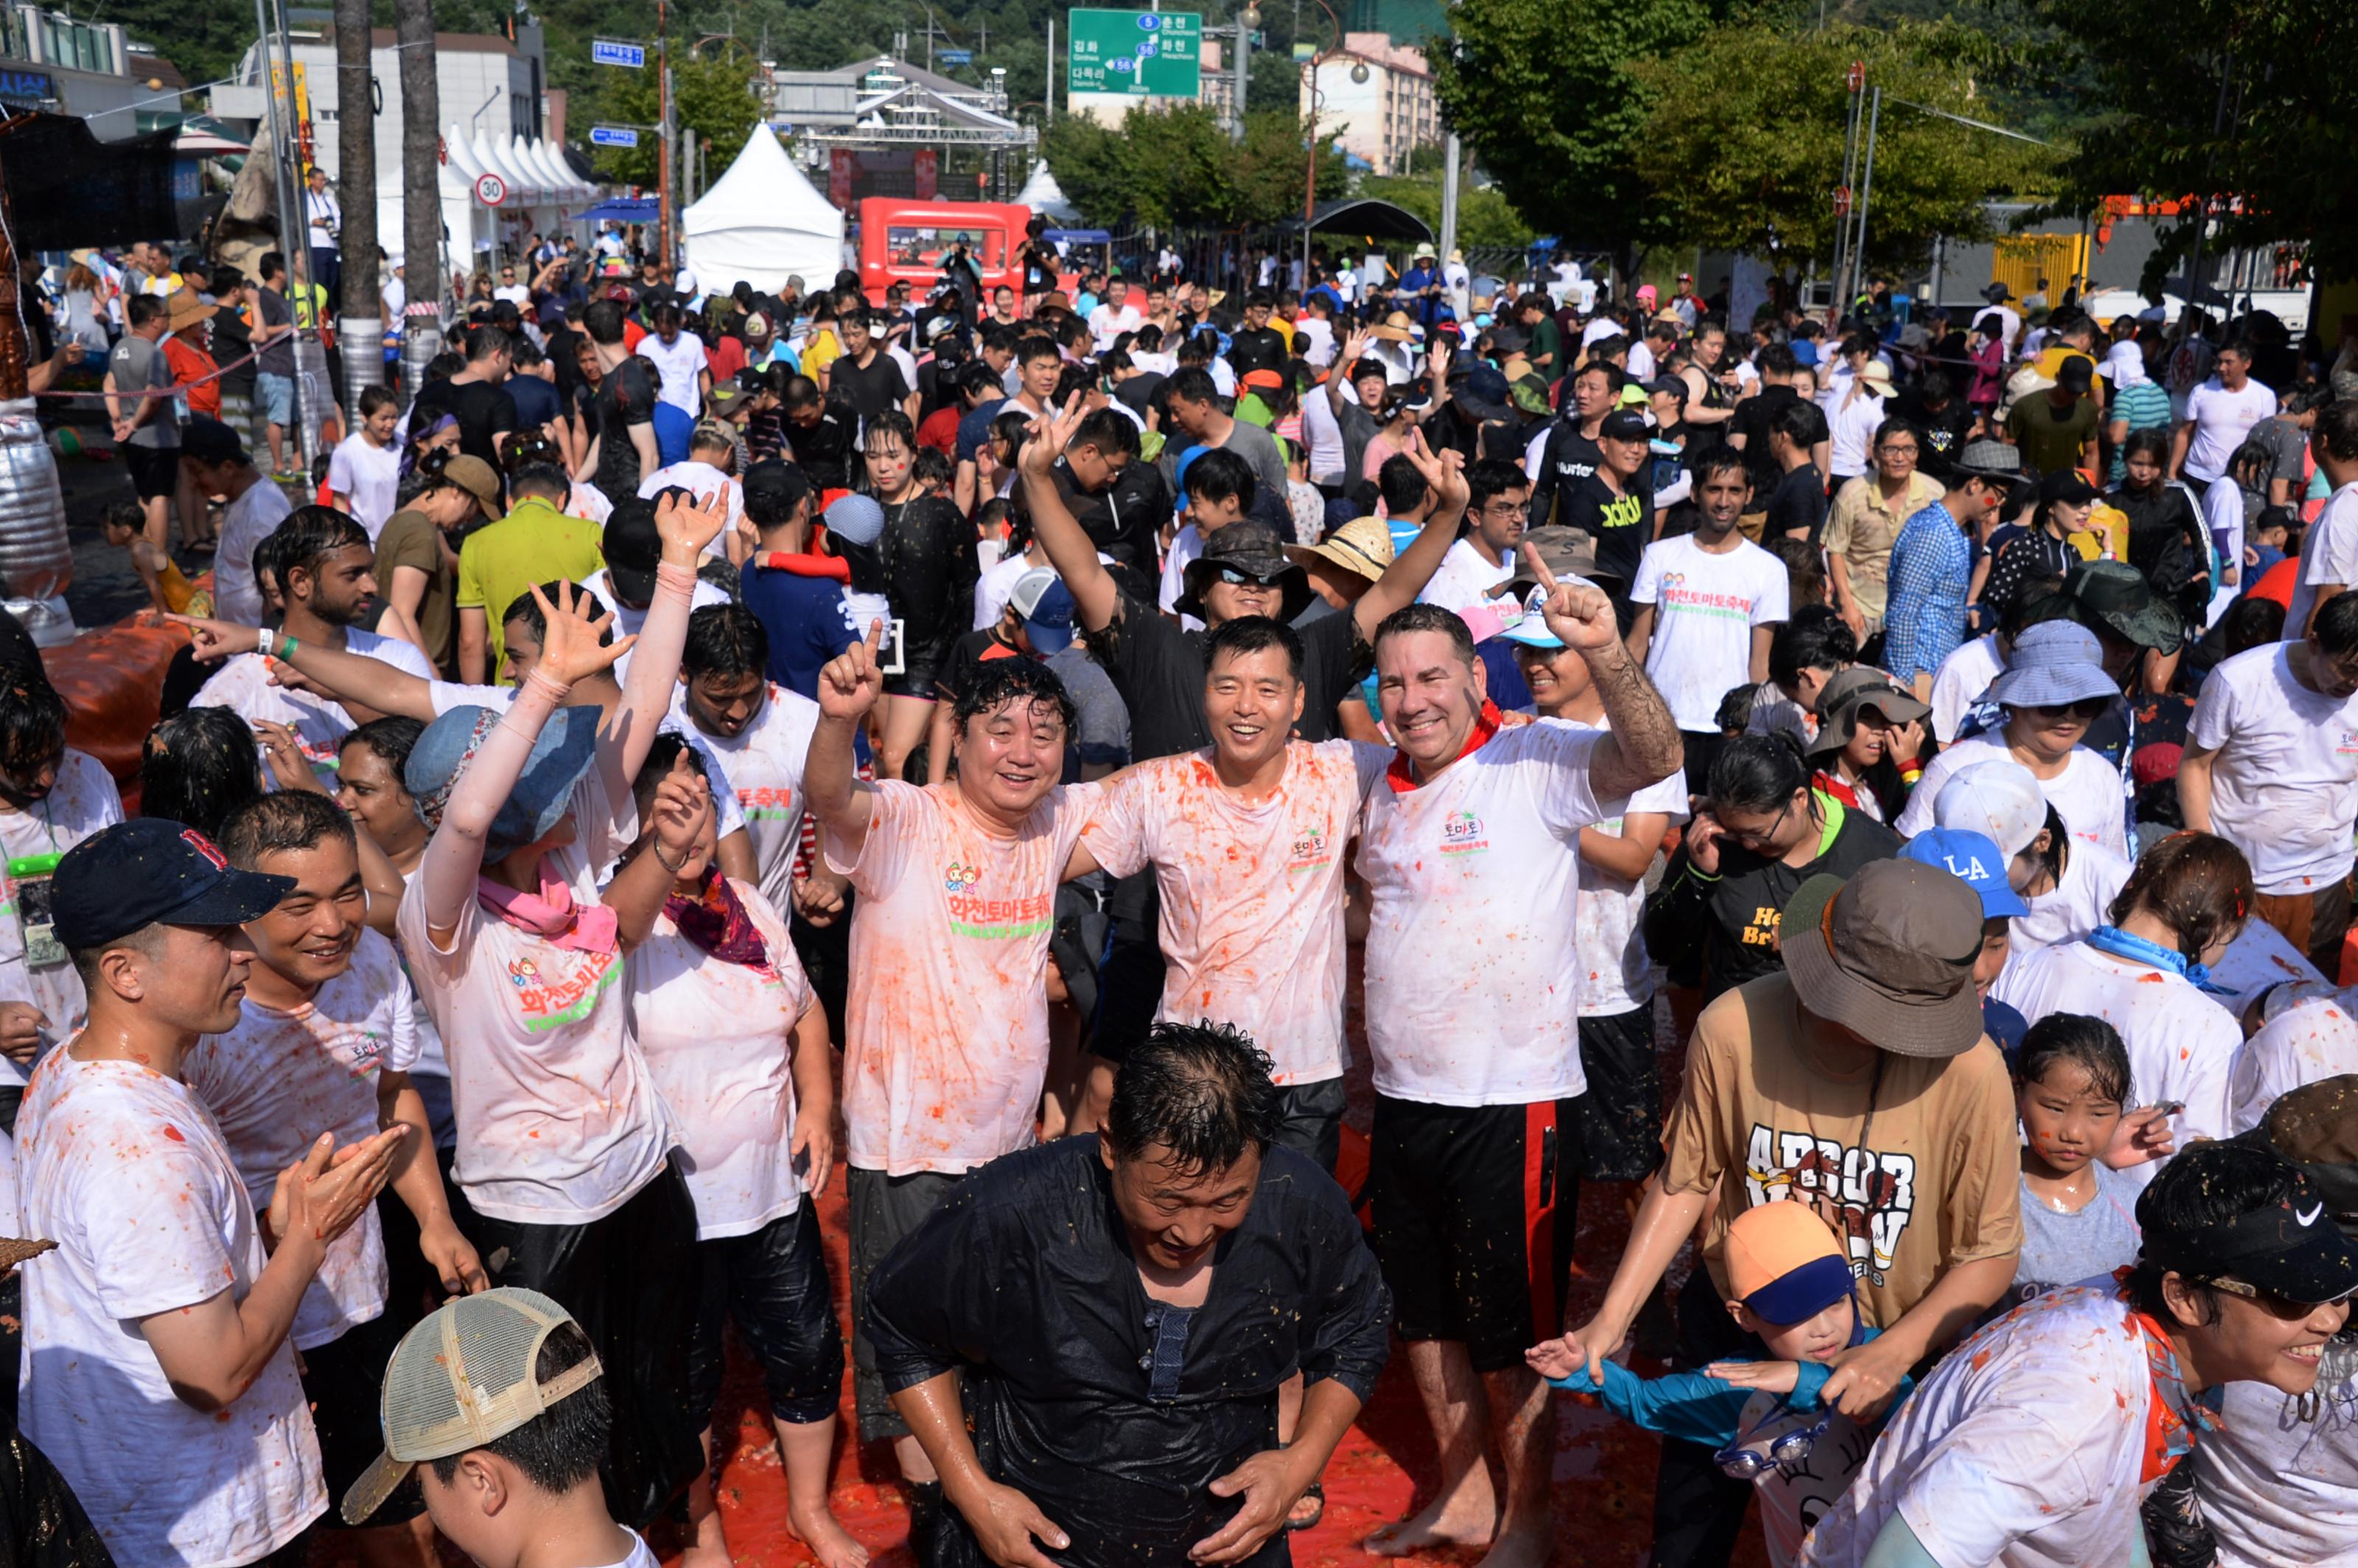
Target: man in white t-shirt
2033, 1444
762, 733
946, 1037
1115, 317
1498, 508
1248, 840
366, 470
704, 473
215, 461
1707, 603
323, 567
2219, 413
323, 1042
1620, 1115
683, 376
2329, 548
2271, 765
1470, 847
157, 1375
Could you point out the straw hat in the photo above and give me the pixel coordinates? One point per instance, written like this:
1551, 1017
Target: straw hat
184, 311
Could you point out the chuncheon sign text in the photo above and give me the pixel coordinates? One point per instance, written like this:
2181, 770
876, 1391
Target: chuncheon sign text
1149, 53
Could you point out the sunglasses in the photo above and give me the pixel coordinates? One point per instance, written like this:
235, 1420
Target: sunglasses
2086, 707
1236, 578
2277, 1306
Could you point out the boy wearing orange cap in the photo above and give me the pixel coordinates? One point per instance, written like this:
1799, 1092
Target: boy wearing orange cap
1792, 1286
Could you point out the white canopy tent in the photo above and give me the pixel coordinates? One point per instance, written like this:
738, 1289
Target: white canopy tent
762, 222
1044, 196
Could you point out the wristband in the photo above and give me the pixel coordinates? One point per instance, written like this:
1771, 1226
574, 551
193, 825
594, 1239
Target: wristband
675, 577
555, 688
286, 645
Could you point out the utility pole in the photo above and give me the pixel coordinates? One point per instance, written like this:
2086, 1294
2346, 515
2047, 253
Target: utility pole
1048, 89
292, 230
425, 264
1452, 152
1247, 18
360, 312
1856, 80
667, 133
1865, 195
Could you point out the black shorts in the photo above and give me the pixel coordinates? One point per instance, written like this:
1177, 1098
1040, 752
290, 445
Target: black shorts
1473, 1214
1621, 1116
629, 1281
884, 1208
343, 1382
1130, 988
154, 470
1312, 1124
773, 1282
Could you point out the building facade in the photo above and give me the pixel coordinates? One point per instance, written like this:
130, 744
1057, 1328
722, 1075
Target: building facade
1384, 119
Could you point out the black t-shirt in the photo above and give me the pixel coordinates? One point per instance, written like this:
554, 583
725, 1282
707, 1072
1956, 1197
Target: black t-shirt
1159, 671
1622, 524
1565, 463
1943, 433
1256, 348
1751, 422
1798, 501
869, 389
824, 450
482, 411
1137, 394
626, 397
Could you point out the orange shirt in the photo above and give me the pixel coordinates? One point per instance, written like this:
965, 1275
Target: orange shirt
189, 365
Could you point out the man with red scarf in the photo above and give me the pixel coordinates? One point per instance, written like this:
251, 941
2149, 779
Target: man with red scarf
1471, 849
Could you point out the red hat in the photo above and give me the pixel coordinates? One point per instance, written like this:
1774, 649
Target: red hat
1262, 378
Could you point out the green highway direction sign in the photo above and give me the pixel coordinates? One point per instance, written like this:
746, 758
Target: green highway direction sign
1147, 53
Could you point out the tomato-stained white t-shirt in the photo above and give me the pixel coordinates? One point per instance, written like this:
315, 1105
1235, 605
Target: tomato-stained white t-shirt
946, 1027
124, 1169
1252, 891
558, 1122
765, 764
83, 800
718, 1040
1473, 970
279, 1079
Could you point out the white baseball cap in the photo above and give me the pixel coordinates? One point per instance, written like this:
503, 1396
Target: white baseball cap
1999, 799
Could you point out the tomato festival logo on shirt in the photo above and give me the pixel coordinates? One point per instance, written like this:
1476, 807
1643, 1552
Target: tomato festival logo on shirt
2349, 746
1676, 596
552, 1004
768, 804
1311, 851
1875, 1192
1461, 834
993, 919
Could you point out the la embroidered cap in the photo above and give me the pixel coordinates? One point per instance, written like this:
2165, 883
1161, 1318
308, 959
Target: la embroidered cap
1784, 1264
464, 1378
2000, 801
148, 871
1973, 859
2288, 1244
1889, 956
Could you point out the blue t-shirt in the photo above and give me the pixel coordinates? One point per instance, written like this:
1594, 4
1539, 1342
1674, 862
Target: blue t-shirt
536, 402
807, 618
673, 427
974, 428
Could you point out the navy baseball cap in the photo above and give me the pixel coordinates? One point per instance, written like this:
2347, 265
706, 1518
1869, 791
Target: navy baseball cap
149, 872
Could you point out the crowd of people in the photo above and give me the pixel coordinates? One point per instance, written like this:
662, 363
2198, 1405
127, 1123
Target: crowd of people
702, 739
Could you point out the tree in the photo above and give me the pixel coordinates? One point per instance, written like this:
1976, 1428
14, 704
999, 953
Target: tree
356, 162
1548, 96
423, 252
713, 100
1743, 142
1175, 167
2249, 105
1484, 216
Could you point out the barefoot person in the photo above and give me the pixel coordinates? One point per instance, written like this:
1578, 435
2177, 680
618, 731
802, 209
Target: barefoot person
1123, 1309
1472, 838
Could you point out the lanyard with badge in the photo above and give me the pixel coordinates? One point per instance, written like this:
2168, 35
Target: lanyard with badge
32, 876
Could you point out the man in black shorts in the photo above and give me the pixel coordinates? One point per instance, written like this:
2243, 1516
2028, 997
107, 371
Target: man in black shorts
146, 429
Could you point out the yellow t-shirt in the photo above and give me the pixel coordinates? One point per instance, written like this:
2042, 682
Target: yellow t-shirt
1940, 1184
534, 542
823, 349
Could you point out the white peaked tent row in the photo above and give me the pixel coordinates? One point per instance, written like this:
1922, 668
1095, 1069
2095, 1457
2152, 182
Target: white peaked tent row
1044, 196
762, 222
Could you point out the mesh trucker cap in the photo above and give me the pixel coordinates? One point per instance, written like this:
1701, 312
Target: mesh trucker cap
460, 1379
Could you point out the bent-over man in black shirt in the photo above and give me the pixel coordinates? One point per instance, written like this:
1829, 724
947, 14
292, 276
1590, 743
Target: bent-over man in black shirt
1122, 1309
